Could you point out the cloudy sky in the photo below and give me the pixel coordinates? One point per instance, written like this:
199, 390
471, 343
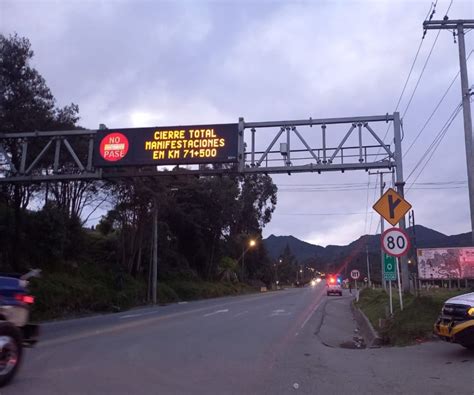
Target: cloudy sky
149, 63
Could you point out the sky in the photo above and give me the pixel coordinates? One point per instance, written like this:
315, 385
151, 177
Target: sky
158, 63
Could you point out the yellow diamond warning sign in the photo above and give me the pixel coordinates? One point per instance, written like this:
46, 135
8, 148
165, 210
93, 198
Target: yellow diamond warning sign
392, 206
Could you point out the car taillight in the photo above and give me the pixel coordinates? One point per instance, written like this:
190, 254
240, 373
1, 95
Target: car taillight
25, 298
331, 280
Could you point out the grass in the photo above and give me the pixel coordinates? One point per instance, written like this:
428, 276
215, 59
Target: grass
414, 323
89, 290
191, 290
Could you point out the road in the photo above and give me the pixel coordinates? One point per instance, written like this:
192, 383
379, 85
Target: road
285, 342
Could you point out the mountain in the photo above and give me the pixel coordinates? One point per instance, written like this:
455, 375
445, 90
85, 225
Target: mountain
353, 255
276, 244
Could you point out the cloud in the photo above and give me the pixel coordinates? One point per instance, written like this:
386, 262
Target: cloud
142, 63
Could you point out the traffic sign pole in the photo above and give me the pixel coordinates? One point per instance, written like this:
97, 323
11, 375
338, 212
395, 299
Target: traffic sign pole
399, 285
390, 295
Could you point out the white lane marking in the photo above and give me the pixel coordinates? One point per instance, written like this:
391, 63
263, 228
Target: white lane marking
310, 315
137, 315
182, 302
278, 313
130, 316
216, 312
241, 313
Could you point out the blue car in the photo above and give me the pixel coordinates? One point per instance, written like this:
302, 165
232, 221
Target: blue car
15, 330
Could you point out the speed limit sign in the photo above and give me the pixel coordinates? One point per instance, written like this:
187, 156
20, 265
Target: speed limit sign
395, 242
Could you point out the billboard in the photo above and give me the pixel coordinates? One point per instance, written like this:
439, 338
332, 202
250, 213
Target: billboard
445, 263
171, 145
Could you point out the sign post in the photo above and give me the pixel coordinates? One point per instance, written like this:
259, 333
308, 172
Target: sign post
399, 285
390, 296
396, 243
355, 274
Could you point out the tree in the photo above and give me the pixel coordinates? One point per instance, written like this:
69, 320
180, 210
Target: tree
26, 104
257, 201
288, 266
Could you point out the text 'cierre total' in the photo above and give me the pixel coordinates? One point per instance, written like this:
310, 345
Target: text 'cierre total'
175, 144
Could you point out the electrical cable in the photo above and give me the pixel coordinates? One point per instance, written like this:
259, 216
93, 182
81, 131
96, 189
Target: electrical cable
435, 109
433, 8
434, 145
367, 204
374, 199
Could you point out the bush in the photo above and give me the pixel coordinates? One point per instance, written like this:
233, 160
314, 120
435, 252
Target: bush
190, 290
83, 291
86, 289
166, 294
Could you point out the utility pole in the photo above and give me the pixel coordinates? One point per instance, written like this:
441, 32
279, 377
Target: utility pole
243, 262
400, 184
458, 27
155, 250
368, 265
382, 260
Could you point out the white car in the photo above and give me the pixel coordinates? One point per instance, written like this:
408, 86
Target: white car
456, 322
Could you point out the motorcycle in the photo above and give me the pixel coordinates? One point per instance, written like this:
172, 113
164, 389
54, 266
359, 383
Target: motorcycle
15, 330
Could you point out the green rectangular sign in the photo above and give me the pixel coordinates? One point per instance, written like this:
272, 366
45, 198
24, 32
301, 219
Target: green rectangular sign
389, 268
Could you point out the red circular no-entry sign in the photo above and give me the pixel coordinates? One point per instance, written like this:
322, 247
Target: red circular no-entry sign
114, 147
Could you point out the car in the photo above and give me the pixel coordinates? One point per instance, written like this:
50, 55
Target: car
333, 285
15, 330
455, 324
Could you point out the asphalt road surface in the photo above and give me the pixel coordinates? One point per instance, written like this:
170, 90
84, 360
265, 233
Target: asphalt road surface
287, 342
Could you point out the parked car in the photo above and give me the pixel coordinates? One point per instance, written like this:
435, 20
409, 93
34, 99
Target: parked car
455, 324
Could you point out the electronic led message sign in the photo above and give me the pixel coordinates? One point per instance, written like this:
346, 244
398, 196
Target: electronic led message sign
171, 145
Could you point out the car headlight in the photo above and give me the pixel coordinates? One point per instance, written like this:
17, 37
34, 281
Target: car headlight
471, 312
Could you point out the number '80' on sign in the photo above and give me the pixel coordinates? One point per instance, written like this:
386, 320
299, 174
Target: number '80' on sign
395, 242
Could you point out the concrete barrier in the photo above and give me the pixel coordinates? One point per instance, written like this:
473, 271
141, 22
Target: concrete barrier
366, 330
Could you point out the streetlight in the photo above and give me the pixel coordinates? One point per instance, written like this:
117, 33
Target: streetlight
251, 243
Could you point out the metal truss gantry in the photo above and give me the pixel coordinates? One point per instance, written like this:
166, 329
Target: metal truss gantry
68, 155
320, 158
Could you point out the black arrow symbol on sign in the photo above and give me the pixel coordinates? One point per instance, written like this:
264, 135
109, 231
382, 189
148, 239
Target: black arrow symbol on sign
392, 205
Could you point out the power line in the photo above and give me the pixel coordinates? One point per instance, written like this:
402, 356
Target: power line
435, 140
435, 144
324, 186
426, 62
367, 204
322, 214
355, 190
431, 13
375, 195
435, 109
